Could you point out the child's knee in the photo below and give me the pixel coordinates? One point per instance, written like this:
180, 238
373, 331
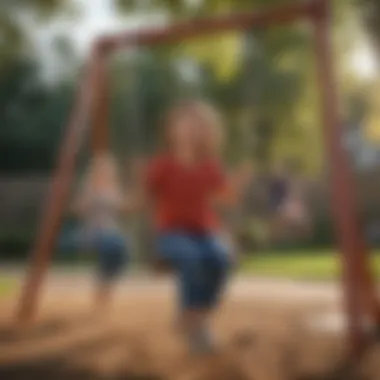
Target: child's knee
110, 242
191, 268
220, 255
224, 263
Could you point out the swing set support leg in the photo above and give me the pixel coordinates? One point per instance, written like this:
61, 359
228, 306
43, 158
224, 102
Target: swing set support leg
52, 215
359, 291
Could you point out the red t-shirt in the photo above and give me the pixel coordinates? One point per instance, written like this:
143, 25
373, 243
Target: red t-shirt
182, 194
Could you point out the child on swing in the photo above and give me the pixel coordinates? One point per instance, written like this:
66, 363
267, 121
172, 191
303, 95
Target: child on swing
185, 183
288, 206
98, 206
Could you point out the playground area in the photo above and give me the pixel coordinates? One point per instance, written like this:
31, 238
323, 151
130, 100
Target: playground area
143, 183
267, 329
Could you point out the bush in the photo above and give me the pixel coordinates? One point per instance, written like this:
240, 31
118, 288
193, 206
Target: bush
323, 233
14, 245
256, 238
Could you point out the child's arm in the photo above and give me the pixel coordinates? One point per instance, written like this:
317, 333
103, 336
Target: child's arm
234, 186
134, 201
137, 198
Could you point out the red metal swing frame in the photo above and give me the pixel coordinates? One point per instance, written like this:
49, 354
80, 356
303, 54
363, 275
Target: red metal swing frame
358, 285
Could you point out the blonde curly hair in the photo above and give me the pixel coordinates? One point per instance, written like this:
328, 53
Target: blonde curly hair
206, 116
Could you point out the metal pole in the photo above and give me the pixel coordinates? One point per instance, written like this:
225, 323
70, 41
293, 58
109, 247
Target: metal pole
342, 184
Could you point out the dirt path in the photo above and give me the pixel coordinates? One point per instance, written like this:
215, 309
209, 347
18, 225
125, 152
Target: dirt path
61, 280
262, 329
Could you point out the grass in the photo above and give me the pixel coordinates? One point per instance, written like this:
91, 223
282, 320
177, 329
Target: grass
313, 265
7, 287
299, 264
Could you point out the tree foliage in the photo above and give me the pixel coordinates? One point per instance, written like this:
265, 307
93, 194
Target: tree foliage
32, 120
14, 39
370, 11
262, 80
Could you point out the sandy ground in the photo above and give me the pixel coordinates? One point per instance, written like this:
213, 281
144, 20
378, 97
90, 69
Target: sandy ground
264, 332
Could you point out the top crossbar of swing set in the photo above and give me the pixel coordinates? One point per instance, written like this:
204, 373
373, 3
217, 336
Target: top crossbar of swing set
312, 9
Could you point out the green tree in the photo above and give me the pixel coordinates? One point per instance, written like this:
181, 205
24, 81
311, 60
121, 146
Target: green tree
14, 40
32, 120
370, 11
263, 76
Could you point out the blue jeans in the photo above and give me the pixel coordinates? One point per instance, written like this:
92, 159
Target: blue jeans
109, 245
201, 262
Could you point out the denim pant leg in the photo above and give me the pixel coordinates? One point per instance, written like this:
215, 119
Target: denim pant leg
70, 241
182, 252
112, 254
217, 262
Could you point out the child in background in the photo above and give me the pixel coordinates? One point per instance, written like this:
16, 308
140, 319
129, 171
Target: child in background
279, 190
185, 183
294, 211
287, 205
99, 206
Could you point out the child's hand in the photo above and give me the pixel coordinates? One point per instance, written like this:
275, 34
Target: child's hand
243, 175
236, 184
